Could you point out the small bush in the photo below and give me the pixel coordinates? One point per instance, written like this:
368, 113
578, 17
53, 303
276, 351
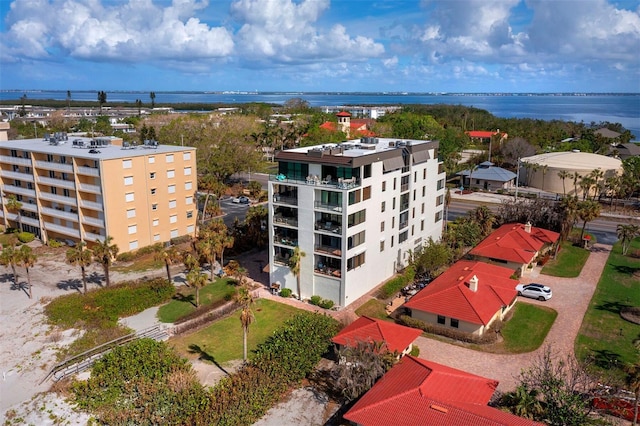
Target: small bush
415, 351
154, 248
181, 240
392, 287
326, 303
125, 257
285, 292
55, 243
26, 237
315, 300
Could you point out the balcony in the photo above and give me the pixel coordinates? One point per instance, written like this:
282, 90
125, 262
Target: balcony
285, 240
88, 220
91, 205
283, 220
328, 266
27, 177
60, 214
90, 236
93, 189
88, 171
285, 199
330, 227
12, 189
328, 206
58, 199
330, 250
403, 225
59, 167
52, 227
318, 181
30, 207
30, 221
68, 184
15, 160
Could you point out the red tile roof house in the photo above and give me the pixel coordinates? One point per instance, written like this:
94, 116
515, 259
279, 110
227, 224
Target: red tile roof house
398, 338
485, 136
420, 392
469, 297
515, 246
353, 128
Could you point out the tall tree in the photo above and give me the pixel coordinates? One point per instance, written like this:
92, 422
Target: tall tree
169, 255
196, 279
245, 299
68, 100
152, 95
15, 206
80, 256
295, 265
575, 178
484, 217
10, 257
626, 233
632, 380
588, 210
102, 99
103, 253
563, 174
27, 259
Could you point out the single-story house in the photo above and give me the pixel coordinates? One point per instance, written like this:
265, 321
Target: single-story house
469, 296
486, 135
398, 338
487, 176
515, 246
624, 150
420, 392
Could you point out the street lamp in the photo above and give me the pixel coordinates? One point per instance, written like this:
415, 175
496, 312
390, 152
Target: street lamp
517, 177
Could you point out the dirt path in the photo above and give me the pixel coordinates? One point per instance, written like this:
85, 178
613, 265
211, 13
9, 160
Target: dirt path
571, 297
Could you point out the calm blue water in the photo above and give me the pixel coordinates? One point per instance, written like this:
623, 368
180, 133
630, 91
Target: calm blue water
624, 109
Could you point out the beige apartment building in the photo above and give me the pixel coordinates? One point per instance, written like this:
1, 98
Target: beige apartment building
84, 189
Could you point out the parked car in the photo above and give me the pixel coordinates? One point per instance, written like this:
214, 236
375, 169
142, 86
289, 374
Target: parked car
534, 291
240, 200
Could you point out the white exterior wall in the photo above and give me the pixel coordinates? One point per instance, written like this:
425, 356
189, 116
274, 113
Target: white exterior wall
378, 265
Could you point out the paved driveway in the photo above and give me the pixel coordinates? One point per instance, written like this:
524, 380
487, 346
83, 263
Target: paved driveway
571, 297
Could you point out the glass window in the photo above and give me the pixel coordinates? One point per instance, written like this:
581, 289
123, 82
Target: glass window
355, 261
156, 222
153, 191
152, 160
128, 197
367, 171
366, 193
131, 213
174, 233
188, 186
154, 207
172, 204
188, 200
381, 245
127, 164
171, 174
132, 229
156, 237
171, 189
454, 323
441, 319
186, 156
187, 171
133, 245
357, 218
189, 214
169, 158
128, 180
173, 218
152, 175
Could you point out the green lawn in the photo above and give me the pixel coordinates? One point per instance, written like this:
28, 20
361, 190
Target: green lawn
604, 336
183, 303
569, 262
528, 327
373, 308
222, 341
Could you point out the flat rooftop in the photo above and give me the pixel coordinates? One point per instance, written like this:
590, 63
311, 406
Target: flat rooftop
361, 147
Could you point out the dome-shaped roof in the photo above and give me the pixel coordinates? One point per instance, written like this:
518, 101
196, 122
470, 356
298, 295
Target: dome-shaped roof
574, 161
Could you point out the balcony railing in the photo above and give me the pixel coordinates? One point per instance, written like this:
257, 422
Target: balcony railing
332, 251
88, 220
69, 184
30, 207
318, 181
62, 229
285, 199
329, 272
15, 160
60, 213
88, 171
49, 165
403, 225
30, 221
87, 187
91, 205
282, 220
331, 227
58, 198
328, 207
12, 189
27, 177
285, 240
281, 260
90, 236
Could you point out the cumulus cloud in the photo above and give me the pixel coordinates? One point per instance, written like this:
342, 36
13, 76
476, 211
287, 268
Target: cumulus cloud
135, 31
284, 31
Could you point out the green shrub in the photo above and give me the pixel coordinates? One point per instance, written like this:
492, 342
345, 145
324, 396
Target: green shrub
415, 351
181, 240
26, 237
315, 300
285, 292
392, 287
326, 303
125, 257
55, 243
154, 248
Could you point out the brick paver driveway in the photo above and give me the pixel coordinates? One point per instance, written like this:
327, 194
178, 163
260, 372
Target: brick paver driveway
571, 297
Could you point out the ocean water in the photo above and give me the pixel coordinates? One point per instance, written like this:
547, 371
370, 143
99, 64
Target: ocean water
623, 109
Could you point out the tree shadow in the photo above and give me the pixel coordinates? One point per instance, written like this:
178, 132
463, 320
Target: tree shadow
191, 298
70, 284
606, 359
626, 270
613, 307
6, 277
20, 286
95, 278
205, 356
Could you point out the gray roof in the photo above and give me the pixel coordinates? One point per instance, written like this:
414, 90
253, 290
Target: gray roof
486, 172
606, 133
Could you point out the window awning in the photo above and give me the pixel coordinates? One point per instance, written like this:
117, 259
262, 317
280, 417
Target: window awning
394, 163
420, 156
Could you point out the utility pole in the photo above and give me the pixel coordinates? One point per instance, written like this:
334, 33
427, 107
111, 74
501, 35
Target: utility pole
517, 177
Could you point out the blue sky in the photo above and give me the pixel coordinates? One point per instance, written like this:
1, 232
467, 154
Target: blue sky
321, 45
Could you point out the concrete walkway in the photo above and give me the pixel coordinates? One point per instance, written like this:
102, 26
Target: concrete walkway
571, 297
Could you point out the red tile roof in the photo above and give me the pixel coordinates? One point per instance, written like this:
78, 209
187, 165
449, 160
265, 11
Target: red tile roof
357, 127
512, 243
366, 329
343, 114
420, 392
483, 134
450, 294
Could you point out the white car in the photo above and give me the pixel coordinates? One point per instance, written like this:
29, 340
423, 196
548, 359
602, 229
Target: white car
534, 291
240, 200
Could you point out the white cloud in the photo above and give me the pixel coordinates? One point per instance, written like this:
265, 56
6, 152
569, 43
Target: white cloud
127, 32
283, 31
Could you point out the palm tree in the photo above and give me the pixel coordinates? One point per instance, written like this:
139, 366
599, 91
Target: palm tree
10, 257
447, 202
586, 183
102, 99
197, 279
524, 402
169, 255
587, 211
190, 262
68, 100
27, 259
15, 206
152, 95
563, 174
483, 217
575, 177
569, 209
80, 256
139, 106
245, 300
544, 169
633, 381
295, 263
596, 175
626, 233
103, 253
